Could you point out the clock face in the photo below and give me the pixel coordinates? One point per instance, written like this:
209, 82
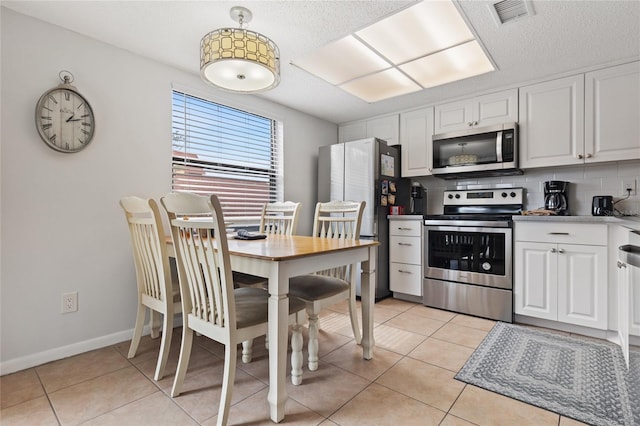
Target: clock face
64, 120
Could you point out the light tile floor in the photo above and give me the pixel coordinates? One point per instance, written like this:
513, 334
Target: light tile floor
409, 381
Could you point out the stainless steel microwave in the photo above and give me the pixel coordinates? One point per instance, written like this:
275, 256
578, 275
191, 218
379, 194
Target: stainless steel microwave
486, 151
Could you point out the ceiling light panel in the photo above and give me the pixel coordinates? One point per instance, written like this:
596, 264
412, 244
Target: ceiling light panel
382, 85
419, 30
342, 60
457, 63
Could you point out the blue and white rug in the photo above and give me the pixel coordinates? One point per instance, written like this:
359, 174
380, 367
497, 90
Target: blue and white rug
582, 379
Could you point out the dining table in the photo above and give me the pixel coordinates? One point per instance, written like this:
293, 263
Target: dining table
281, 257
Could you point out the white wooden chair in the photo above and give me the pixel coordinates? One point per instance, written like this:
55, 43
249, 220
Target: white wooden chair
341, 220
279, 218
210, 304
156, 289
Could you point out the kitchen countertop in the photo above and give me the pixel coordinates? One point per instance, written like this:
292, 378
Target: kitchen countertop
405, 217
631, 221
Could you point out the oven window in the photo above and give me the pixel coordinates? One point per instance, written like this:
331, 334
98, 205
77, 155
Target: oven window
479, 252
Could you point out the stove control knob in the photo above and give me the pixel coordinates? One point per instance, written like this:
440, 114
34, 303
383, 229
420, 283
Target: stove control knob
486, 266
457, 196
512, 195
449, 196
504, 195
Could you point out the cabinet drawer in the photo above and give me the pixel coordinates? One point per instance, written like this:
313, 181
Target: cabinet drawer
411, 228
558, 232
405, 278
405, 250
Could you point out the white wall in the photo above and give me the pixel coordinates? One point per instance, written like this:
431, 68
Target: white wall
62, 228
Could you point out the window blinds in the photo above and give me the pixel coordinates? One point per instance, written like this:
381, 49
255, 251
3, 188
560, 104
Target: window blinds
228, 152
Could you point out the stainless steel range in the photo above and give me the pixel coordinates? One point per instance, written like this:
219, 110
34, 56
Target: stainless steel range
468, 253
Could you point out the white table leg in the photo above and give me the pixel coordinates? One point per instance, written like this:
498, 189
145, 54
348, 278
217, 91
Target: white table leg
368, 294
278, 336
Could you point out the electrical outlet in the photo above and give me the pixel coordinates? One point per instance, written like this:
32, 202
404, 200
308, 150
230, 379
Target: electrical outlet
628, 184
69, 302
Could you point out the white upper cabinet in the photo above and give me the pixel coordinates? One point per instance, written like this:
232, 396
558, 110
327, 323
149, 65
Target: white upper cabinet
551, 125
352, 131
612, 113
587, 118
481, 111
416, 138
386, 128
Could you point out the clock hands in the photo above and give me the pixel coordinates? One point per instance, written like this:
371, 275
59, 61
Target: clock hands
72, 119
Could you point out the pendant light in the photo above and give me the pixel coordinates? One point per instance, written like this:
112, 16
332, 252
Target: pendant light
239, 60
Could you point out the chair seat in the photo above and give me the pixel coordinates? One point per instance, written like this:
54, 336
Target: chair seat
315, 287
240, 279
252, 307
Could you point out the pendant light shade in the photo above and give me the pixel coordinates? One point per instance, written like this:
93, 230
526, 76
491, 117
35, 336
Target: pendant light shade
239, 60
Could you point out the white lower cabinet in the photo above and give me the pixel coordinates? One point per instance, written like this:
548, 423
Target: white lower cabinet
405, 256
561, 272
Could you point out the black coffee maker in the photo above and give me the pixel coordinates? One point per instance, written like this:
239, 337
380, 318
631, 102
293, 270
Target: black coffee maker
418, 202
556, 198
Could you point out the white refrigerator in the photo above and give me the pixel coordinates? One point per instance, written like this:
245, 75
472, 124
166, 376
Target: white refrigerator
366, 170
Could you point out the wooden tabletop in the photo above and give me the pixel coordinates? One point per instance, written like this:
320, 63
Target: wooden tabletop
283, 247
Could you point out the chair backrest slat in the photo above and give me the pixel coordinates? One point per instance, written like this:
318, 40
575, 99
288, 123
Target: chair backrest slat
280, 218
202, 254
147, 240
338, 220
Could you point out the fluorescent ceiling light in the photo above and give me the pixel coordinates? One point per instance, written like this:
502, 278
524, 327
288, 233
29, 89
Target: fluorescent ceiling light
425, 28
342, 60
456, 63
425, 45
382, 85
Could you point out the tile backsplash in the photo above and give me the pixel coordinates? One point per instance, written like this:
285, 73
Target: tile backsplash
585, 182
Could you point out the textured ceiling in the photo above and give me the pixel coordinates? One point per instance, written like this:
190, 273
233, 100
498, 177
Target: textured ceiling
560, 37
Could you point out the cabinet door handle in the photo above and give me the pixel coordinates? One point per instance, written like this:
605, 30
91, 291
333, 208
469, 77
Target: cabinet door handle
589, 155
560, 251
553, 250
404, 272
404, 229
621, 264
580, 156
470, 123
557, 233
405, 244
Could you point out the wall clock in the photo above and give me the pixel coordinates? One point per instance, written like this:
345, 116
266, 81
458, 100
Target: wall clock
64, 118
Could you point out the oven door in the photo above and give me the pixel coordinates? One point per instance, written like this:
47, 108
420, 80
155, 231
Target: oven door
469, 254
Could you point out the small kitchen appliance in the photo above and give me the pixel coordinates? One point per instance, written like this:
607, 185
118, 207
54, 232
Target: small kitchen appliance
556, 197
602, 205
418, 201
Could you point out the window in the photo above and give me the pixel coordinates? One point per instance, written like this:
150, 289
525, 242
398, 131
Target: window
228, 152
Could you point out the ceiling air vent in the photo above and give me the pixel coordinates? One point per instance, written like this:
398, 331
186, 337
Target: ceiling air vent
511, 10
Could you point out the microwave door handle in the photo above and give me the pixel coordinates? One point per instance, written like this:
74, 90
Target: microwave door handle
499, 147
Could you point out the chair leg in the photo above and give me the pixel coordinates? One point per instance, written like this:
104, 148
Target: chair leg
353, 313
313, 341
154, 323
247, 351
296, 354
137, 331
230, 354
183, 361
165, 346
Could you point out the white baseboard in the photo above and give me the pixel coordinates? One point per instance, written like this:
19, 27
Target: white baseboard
33, 360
